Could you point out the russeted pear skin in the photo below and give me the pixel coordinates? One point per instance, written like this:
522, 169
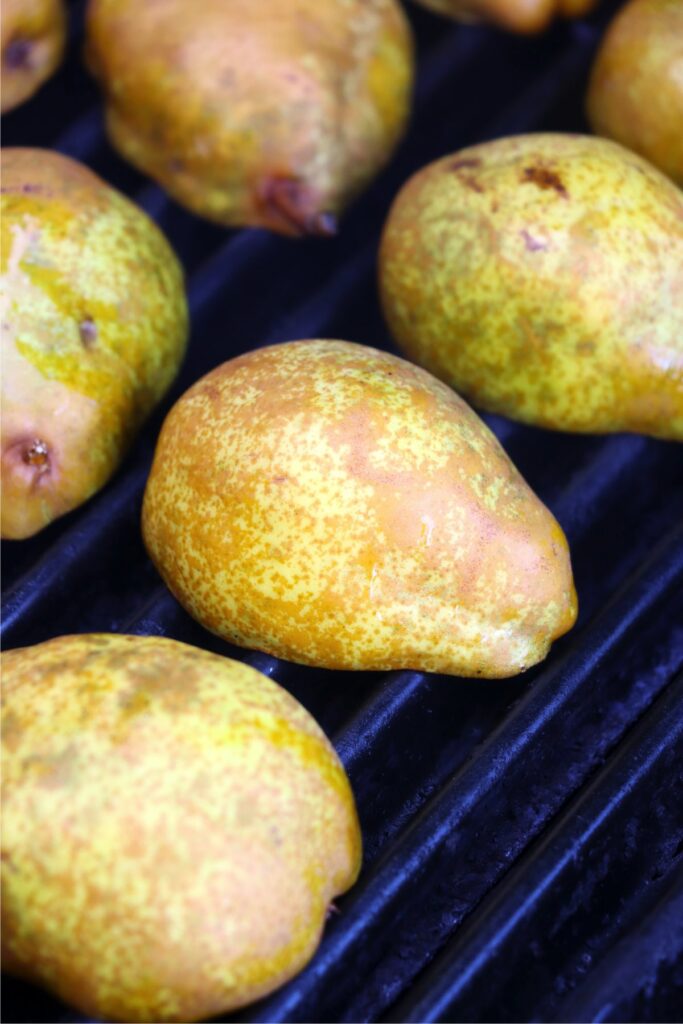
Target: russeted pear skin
541, 276
272, 114
336, 506
174, 827
32, 37
526, 16
635, 94
94, 327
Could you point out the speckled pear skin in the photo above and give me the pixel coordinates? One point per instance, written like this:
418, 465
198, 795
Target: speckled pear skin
273, 114
336, 506
32, 37
94, 327
514, 15
174, 827
635, 94
542, 277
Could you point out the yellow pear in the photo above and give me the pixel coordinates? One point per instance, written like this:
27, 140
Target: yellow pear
337, 506
542, 277
174, 827
636, 89
273, 114
94, 326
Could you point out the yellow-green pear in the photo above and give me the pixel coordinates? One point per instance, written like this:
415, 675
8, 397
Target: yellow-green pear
542, 277
175, 826
337, 506
94, 326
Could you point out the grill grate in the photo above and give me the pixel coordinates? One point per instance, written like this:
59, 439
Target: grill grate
523, 838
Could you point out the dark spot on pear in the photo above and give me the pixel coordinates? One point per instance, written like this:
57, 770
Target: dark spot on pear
27, 189
467, 164
544, 178
37, 455
88, 332
531, 243
464, 163
8, 861
17, 55
32, 458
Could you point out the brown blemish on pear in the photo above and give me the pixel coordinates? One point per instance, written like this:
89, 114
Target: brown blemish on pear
30, 460
552, 296
92, 335
543, 177
37, 455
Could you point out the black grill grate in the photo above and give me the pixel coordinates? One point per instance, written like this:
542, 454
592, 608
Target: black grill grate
523, 838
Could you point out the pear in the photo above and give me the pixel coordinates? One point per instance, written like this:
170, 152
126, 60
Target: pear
542, 277
636, 88
273, 114
513, 15
94, 326
174, 827
32, 38
333, 505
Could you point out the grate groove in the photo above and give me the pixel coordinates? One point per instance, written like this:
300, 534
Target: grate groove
518, 829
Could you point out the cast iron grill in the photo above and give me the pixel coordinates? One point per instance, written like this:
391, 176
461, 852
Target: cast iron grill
523, 838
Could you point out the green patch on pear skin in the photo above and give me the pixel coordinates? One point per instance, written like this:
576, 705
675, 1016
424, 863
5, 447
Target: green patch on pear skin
93, 306
92, 269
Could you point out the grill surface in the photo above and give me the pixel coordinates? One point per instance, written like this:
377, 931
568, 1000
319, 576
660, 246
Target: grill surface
523, 838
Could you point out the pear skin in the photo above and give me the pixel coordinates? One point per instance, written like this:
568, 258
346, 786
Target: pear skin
273, 114
541, 276
94, 327
635, 94
336, 506
175, 826
32, 37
